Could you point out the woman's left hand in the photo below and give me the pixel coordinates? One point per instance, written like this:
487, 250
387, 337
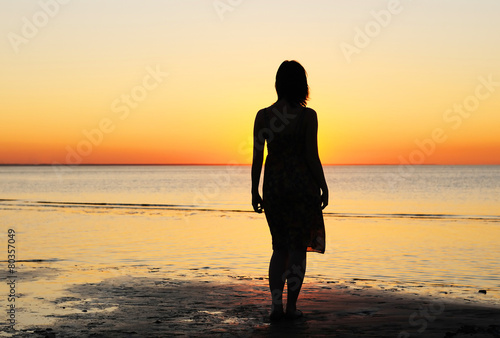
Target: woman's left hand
324, 198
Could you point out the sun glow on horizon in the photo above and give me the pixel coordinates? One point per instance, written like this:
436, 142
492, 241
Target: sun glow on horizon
181, 82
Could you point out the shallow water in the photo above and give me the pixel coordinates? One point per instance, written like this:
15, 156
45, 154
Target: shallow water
419, 255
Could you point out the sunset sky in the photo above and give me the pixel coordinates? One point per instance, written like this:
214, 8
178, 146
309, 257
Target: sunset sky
170, 82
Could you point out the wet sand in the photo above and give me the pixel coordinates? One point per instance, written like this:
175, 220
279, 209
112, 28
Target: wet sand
156, 306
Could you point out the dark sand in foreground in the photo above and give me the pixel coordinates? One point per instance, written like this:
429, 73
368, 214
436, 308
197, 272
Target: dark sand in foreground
163, 307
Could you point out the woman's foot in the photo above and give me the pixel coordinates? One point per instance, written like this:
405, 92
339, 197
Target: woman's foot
293, 314
276, 313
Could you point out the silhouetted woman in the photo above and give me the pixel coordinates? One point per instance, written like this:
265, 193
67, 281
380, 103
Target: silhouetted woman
294, 189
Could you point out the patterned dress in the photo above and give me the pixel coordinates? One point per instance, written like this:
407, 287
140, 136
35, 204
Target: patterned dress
291, 197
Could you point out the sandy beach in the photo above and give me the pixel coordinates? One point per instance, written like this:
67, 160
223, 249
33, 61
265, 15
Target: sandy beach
238, 306
160, 307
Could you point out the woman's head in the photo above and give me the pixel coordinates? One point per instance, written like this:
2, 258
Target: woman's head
291, 83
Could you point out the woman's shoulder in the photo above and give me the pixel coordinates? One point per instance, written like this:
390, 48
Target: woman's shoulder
261, 113
310, 114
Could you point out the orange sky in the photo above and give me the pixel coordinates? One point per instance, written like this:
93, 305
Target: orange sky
181, 81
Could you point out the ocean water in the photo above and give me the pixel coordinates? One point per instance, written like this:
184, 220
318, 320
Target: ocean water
433, 228
435, 191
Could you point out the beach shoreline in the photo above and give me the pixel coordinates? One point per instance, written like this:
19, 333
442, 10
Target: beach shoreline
156, 305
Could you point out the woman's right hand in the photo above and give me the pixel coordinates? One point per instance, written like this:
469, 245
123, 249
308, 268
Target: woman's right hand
257, 203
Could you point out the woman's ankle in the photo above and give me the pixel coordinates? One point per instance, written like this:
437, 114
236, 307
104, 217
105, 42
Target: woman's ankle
291, 308
277, 307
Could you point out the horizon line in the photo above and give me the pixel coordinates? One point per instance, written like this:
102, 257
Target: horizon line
229, 164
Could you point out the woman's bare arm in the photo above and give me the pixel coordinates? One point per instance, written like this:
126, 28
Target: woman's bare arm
312, 155
258, 158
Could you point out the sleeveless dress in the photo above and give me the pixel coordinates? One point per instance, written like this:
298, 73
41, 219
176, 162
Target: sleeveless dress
291, 196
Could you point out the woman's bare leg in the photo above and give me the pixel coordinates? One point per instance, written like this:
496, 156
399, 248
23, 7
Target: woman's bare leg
277, 268
295, 276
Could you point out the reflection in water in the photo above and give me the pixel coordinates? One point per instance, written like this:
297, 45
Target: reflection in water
83, 245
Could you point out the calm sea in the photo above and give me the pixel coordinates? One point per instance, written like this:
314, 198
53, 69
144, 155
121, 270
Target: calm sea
434, 227
420, 191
